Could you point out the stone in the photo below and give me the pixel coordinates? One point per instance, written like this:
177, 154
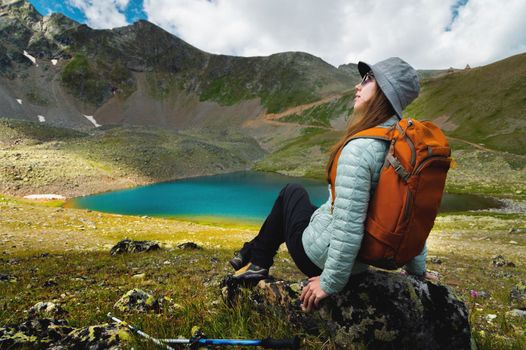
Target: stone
518, 296
130, 246
44, 330
499, 261
376, 310
50, 283
7, 278
104, 336
138, 300
34, 333
435, 260
189, 246
517, 313
46, 309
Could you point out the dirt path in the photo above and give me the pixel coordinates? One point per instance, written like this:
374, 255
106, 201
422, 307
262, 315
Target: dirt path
273, 118
301, 108
480, 147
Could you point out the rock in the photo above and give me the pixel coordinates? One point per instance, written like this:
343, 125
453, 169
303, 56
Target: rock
130, 246
34, 334
518, 296
46, 309
377, 310
499, 261
189, 245
141, 301
517, 313
435, 260
7, 278
50, 283
104, 336
44, 330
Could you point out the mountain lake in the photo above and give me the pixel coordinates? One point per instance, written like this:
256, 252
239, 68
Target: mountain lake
245, 196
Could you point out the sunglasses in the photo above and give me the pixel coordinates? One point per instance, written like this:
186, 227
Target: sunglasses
367, 78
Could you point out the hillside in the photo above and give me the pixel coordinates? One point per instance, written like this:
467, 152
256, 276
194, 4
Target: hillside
483, 105
37, 158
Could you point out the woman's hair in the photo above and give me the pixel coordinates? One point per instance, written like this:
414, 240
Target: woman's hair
375, 111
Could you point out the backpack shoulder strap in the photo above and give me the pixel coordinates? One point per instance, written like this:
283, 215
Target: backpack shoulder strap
378, 132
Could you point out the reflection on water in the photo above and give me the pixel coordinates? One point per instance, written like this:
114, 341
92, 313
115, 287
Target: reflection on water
241, 196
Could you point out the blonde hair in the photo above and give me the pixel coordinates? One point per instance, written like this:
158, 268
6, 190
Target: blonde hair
375, 111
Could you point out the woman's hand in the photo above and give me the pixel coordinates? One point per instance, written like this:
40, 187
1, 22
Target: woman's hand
312, 294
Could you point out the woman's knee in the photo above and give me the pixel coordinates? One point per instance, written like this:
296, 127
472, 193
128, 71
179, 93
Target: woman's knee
289, 189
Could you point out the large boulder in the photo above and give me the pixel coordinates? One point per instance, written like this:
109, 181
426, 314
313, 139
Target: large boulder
377, 310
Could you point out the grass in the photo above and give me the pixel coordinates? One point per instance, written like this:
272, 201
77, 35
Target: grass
41, 158
37, 238
486, 104
322, 115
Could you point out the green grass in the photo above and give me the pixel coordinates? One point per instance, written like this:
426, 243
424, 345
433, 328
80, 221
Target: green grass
486, 103
38, 157
92, 280
82, 79
322, 115
303, 156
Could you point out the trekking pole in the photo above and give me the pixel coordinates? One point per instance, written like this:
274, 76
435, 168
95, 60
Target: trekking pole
141, 333
268, 343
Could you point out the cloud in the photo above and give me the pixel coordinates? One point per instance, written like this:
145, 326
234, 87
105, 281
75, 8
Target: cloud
426, 33
102, 13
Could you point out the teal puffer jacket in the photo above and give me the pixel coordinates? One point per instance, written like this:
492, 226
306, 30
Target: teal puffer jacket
332, 241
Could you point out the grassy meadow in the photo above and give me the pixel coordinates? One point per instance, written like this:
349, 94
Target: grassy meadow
62, 254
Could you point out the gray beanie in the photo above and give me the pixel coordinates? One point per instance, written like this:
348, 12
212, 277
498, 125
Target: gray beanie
397, 80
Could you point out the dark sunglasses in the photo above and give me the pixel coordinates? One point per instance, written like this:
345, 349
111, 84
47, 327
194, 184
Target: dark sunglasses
367, 78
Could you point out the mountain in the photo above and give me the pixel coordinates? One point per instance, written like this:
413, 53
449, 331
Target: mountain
141, 74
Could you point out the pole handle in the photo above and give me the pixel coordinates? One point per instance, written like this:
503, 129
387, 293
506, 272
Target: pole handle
269, 343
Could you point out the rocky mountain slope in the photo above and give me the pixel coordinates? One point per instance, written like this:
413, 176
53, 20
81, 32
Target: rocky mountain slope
140, 74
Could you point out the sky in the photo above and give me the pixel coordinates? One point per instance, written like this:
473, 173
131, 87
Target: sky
429, 34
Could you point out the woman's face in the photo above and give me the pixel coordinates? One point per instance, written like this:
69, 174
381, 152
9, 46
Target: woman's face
365, 90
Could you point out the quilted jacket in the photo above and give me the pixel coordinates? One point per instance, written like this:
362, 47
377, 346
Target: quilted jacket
332, 241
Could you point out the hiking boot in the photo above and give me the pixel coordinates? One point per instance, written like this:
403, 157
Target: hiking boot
239, 260
251, 272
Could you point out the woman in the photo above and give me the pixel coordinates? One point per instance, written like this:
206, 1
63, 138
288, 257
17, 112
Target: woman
324, 242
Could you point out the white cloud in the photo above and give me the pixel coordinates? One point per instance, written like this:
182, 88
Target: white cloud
341, 31
103, 13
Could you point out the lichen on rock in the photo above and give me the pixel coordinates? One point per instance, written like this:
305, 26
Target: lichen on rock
131, 246
376, 310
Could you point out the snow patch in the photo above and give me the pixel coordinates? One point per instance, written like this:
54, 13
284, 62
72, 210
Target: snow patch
31, 58
41, 118
91, 119
54, 61
19, 101
45, 196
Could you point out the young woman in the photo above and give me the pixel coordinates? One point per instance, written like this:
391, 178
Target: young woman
324, 242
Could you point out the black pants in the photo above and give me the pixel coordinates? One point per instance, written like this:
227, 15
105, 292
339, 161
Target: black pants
286, 222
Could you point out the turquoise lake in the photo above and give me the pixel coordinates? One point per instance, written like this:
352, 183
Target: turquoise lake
240, 196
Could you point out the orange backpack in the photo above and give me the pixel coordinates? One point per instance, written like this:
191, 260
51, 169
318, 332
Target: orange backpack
405, 203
